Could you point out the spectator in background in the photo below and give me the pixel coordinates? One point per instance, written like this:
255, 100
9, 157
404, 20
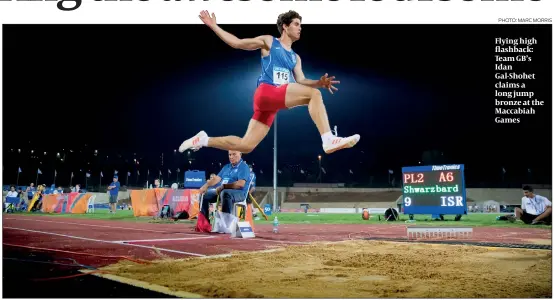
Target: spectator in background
113, 191
59, 190
253, 179
77, 188
22, 198
252, 190
31, 191
535, 209
156, 183
12, 193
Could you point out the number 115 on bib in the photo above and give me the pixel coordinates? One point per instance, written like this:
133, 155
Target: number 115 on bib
280, 76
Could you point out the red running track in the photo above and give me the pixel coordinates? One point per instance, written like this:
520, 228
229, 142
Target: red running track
147, 240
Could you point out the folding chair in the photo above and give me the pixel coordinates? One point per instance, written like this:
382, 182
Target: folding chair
216, 208
90, 205
243, 204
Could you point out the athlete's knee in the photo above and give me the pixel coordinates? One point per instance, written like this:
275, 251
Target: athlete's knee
246, 148
316, 94
315, 100
316, 97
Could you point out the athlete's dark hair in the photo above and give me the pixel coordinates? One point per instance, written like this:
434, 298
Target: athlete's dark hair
286, 19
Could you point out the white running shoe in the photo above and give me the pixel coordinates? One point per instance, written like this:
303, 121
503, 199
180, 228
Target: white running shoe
194, 142
338, 143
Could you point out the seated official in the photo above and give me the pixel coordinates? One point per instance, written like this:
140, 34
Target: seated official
230, 184
535, 209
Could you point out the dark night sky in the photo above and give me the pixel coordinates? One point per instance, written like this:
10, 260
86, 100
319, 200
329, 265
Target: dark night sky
145, 88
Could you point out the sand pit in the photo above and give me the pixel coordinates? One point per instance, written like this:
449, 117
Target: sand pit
357, 269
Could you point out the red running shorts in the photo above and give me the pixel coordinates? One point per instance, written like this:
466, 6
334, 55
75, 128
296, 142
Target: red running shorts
268, 100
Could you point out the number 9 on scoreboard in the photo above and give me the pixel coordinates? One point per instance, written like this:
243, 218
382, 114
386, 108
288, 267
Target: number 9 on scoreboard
407, 201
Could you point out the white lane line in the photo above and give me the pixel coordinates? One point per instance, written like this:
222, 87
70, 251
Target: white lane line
104, 241
94, 225
164, 240
277, 241
225, 255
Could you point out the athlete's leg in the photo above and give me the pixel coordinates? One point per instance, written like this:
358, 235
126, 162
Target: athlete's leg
224, 142
255, 133
299, 95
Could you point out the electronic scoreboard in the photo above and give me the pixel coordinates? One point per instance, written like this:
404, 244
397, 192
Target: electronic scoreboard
437, 190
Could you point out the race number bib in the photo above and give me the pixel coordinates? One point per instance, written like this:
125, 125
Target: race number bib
280, 75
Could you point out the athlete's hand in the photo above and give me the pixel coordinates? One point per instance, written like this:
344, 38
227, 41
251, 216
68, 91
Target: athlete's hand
328, 83
205, 17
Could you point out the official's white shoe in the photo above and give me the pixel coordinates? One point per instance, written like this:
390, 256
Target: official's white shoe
338, 143
194, 142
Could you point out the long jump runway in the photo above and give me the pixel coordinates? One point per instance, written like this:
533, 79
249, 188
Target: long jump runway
98, 243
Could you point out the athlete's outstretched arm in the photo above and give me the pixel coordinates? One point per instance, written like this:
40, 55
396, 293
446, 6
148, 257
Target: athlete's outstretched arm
323, 82
231, 40
243, 44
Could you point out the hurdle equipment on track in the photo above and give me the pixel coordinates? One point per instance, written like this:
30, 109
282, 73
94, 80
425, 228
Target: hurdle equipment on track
426, 232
